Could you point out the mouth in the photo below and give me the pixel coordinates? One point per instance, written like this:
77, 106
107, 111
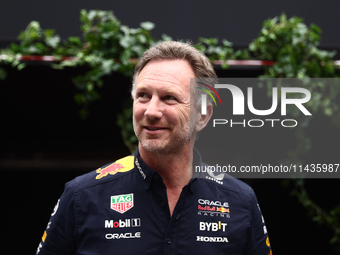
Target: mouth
153, 128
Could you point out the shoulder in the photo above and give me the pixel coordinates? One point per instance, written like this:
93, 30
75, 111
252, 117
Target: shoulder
104, 174
229, 184
238, 186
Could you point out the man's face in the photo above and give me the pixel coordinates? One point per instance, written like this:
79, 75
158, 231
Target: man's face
161, 108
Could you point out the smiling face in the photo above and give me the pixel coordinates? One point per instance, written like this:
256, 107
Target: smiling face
161, 108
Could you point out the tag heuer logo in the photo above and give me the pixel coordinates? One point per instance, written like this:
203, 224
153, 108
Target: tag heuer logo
122, 203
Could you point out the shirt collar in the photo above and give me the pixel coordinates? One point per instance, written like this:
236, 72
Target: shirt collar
146, 174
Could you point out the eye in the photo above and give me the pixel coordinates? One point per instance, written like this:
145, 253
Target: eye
142, 95
168, 97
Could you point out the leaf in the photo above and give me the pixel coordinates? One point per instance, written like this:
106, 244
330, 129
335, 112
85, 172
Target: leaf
79, 98
75, 40
32, 49
315, 28
107, 35
283, 18
141, 38
125, 29
34, 25
166, 37
138, 49
3, 74
49, 33
15, 48
135, 31
226, 43
53, 41
252, 46
125, 42
91, 15
147, 25
107, 66
83, 15
21, 66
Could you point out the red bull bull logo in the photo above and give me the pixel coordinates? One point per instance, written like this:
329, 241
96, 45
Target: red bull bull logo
207, 208
122, 165
214, 210
111, 169
222, 209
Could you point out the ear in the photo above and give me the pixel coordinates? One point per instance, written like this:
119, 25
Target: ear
204, 119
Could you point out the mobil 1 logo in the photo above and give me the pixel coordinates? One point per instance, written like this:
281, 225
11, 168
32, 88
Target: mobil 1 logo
126, 223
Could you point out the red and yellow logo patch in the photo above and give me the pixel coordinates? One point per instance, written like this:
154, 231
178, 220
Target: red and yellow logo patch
121, 165
222, 209
43, 238
268, 244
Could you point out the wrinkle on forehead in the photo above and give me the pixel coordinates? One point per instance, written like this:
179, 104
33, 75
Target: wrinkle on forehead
176, 72
156, 73
144, 87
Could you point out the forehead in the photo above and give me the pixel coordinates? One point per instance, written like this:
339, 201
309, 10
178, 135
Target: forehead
173, 74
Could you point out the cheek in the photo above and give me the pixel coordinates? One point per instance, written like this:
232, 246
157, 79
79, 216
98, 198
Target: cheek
138, 111
184, 114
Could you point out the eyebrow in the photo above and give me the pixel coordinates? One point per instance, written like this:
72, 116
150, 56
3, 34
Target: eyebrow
141, 87
172, 91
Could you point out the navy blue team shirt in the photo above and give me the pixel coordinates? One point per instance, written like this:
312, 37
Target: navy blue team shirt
122, 208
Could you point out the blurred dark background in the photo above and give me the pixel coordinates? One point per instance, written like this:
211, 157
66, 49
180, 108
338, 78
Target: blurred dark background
237, 21
44, 143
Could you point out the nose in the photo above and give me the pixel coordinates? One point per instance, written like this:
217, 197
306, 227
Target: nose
154, 109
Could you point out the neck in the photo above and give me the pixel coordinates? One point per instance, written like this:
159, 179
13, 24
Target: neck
175, 168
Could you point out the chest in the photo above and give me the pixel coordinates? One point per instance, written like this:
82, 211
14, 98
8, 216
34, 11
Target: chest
140, 223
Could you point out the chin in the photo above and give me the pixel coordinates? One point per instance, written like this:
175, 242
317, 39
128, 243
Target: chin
162, 148
154, 147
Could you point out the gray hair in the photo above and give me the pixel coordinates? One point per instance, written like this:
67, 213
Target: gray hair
171, 50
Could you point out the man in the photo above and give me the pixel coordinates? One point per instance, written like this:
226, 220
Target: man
150, 202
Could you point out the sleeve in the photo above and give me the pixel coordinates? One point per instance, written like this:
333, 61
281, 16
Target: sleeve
258, 240
59, 236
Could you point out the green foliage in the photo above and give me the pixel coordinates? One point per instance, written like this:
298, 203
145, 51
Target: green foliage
294, 47
215, 51
37, 41
3, 74
108, 47
317, 213
124, 121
